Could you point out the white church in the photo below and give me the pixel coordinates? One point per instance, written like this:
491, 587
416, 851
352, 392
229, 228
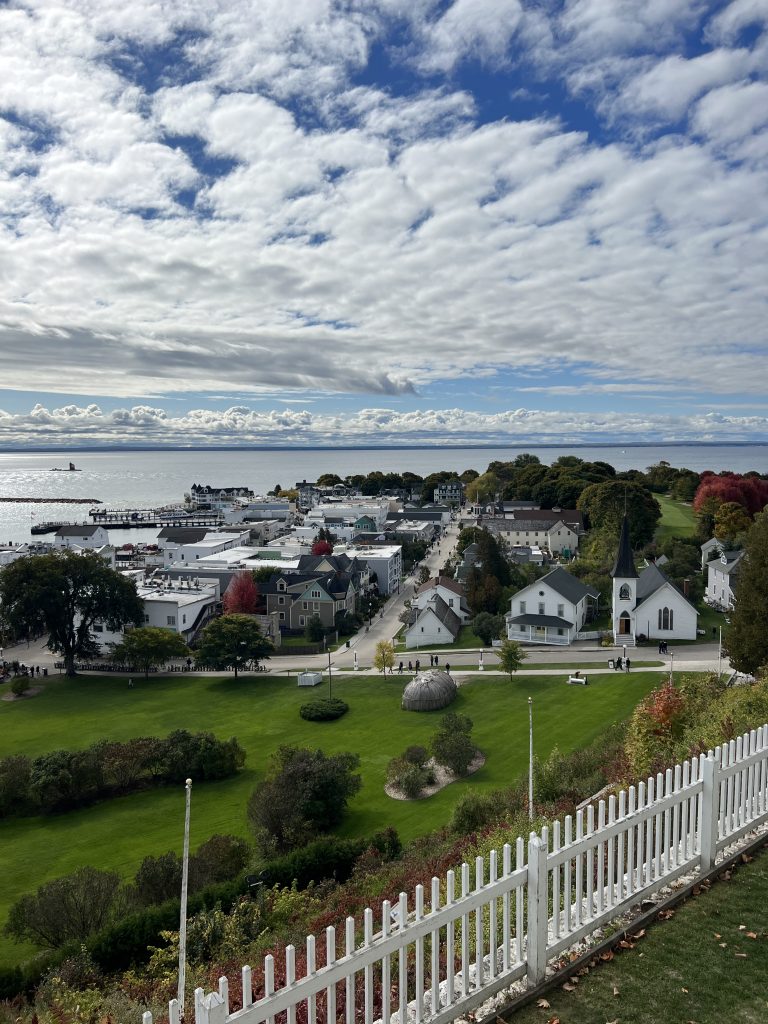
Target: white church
647, 604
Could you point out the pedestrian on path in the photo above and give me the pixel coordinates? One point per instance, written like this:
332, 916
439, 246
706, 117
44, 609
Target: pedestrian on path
130, 684
435, 661
626, 664
418, 664
617, 665
447, 668
410, 666
400, 669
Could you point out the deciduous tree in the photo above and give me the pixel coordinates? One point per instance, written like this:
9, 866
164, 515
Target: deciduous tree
64, 594
232, 641
384, 658
148, 647
242, 595
511, 657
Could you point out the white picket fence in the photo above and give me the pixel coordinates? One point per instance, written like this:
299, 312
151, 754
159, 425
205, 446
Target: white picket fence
485, 929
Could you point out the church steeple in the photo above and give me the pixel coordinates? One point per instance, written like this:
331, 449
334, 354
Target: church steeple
624, 567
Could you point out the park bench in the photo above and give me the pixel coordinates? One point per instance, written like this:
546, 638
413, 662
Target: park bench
577, 680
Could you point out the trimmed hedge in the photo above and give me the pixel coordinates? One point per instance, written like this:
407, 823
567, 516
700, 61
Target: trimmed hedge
324, 709
327, 858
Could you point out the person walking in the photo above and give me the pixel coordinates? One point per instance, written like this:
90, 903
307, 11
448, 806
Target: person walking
418, 664
435, 661
617, 665
400, 669
447, 668
410, 666
626, 664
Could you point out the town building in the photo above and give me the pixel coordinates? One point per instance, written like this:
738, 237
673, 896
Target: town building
450, 492
553, 610
431, 623
451, 592
722, 578
83, 535
219, 497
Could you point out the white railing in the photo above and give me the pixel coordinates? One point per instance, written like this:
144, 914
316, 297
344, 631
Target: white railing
412, 963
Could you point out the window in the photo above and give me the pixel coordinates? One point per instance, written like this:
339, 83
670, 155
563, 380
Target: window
281, 616
561, 610
170, 620
98, 628
315, 593
560, 631
305, 605
315, 605
146, 618
281, 585
183, 619
624, 592
301, 620
541, 607
522, 607
422, 629
666, 618
281, 600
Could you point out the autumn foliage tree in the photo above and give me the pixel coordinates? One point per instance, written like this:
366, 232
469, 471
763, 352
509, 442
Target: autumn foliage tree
655, 729
749, 490
242, 596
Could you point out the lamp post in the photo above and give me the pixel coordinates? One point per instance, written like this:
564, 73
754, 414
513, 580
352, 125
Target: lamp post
330, 682
355, 656
672, 667
530, 758
183, 912
481, 667
720, 653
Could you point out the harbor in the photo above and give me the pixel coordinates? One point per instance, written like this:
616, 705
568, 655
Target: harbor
136, 519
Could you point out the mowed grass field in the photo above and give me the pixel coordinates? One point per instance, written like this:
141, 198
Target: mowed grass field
677, 518
262, 712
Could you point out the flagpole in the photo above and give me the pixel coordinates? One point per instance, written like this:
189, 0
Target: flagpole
183, 912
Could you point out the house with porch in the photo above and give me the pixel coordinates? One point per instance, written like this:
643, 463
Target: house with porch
433, 623
649, 604
552, 610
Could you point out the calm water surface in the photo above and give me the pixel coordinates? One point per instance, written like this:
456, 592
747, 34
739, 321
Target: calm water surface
148, 479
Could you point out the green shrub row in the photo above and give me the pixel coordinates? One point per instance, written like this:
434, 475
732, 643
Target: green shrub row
64, 779
329, 857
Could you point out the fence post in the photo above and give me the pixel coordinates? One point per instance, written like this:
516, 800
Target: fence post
710, 810
538, 916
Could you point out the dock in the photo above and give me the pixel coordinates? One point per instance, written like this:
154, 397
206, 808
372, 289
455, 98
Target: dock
128, 517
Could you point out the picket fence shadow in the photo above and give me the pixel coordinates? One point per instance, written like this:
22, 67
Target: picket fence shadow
507, 919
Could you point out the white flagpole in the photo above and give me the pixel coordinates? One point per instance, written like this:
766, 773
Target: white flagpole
183, 913
530, 758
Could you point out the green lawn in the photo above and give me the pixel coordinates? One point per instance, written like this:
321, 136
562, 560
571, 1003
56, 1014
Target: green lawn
263, 713
707, 965
677, 518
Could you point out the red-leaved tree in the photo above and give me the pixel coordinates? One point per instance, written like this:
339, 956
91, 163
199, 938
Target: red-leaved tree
751, 492
322, 547
242, 596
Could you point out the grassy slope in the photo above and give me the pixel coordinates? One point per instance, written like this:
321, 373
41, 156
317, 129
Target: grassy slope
680, 972
263, 713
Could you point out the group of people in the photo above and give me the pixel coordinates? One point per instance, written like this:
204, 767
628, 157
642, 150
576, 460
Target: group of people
415, 666
622, 663
16, 668
663, 647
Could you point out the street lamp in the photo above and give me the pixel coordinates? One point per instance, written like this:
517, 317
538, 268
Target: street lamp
672, 667
720, 653
183, 911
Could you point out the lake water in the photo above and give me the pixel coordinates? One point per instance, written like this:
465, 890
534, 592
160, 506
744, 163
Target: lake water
146, 479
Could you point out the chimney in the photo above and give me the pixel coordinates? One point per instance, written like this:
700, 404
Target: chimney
687, 587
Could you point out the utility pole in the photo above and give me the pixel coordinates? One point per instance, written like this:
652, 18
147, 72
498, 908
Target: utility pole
330, 682
720, 653
183, 913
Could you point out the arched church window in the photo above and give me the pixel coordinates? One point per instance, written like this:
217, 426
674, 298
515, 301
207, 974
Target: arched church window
624, 592
666, 618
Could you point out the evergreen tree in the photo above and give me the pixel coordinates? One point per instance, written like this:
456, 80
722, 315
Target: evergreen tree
746, 639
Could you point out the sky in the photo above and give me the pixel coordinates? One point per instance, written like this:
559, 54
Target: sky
380, 221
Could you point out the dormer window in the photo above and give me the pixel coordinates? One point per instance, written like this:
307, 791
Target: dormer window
281, 585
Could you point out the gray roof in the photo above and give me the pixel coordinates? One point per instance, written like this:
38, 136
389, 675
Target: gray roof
732, 561
183, 534
568, 586
77, 531
445, 614
624, 566
429, 691
652, 579
539, 620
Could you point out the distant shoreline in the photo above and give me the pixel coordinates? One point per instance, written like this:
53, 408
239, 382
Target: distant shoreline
21, 449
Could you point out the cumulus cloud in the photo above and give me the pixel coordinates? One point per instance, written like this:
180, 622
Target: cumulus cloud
224, 197
241, 425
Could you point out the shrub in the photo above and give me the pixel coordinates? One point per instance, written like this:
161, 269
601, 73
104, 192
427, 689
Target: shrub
328, 857
20, 685
474, 811
416, 755
452, 744
409, 778
324, 709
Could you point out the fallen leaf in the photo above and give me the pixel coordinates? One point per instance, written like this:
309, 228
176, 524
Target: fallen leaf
751, 935
696, 890
583, 971
607, 956
726, 876
612, 1021
665, 915
742, 956
742, 927
639, 935
553, 1020
745, 858
542, 1004
684, 990
567, 987
723, 945
718, 935
615, 991
626, 945
574, 980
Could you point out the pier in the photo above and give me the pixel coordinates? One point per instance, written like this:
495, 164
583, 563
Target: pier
127, 517
52, 501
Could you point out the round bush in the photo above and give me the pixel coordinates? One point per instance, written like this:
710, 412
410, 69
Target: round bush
20, 685
325, 709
